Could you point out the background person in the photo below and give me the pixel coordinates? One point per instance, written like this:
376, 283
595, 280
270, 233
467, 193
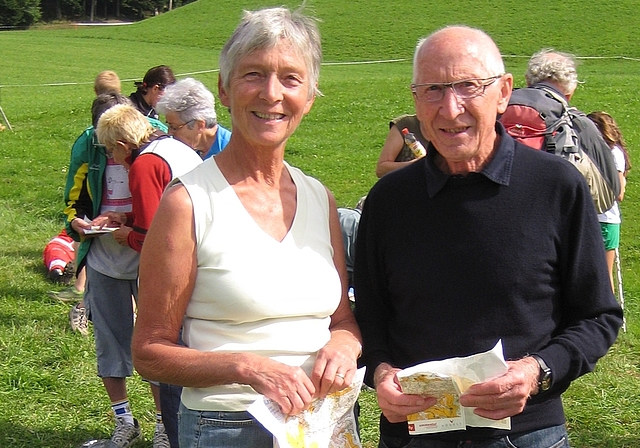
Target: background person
255, 267
152, 160
95, 187
395, 153
149, 91
557, 71
611, 219
505, 246
190, 112
107, 81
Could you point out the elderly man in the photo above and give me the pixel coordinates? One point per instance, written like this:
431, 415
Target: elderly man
191, 116
553, 73
505, 245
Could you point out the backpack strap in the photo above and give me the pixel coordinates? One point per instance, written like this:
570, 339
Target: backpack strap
567, 140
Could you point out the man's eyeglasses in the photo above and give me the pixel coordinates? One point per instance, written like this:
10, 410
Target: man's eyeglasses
465, 89
177, 128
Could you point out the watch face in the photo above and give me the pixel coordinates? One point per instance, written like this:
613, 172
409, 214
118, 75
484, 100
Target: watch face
545, 384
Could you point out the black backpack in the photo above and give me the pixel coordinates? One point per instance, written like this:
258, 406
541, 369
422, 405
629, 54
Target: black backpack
541, 119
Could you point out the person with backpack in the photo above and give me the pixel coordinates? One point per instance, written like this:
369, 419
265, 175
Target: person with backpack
539, 116
610, 220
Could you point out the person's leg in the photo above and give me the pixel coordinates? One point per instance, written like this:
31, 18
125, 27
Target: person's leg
116, 388
108, 305
611, 239
611, 258
170, 404
160, 437
81, 275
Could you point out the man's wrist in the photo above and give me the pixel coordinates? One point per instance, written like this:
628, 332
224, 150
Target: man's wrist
543, 381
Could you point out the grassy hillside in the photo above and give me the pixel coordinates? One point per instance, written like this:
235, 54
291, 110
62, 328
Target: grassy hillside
50, 395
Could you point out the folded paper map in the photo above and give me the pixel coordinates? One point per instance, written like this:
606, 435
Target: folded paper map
328, 423
446, 380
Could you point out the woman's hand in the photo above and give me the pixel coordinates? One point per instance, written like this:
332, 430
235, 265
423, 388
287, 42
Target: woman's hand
336, 364
288, 386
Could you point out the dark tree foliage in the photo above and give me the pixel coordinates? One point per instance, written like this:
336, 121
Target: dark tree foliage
62, 9
19, 13
100, 10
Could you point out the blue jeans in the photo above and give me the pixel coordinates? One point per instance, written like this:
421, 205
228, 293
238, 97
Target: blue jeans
170, 405
214, 429
553, 437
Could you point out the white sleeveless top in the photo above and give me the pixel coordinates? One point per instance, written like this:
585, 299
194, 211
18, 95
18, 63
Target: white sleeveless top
180, 157
253, 293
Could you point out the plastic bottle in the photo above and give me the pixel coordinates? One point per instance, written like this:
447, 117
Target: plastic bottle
412, 142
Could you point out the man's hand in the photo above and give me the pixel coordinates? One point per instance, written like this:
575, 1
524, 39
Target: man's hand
394, 404
506, 395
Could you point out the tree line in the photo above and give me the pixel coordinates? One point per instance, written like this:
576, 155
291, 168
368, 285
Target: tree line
24, 13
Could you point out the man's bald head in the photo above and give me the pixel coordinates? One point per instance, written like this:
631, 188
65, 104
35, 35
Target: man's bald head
454, 40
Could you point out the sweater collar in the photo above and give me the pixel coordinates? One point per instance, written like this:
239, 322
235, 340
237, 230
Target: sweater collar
498, 169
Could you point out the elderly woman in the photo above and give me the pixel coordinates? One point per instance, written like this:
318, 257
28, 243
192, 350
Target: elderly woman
254, 268
191, 117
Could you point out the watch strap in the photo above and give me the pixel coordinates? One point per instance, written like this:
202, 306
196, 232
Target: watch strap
544, 378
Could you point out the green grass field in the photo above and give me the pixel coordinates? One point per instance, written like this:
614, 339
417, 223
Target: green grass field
49, 393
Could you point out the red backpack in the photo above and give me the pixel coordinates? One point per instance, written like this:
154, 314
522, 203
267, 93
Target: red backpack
541, 119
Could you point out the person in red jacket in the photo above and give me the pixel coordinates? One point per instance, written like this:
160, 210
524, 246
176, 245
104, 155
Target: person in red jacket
153, 159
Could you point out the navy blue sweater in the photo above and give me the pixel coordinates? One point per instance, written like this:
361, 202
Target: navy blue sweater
448, 265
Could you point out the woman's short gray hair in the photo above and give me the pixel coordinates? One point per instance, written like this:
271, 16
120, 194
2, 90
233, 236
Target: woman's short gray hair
556, 66
263, 29
191, 100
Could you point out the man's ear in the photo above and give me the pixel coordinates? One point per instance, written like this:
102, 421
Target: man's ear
506, 87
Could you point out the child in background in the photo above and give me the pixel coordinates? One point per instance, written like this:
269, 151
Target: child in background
58, 256
611, 219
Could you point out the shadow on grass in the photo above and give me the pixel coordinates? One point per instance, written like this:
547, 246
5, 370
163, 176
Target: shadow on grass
14, 435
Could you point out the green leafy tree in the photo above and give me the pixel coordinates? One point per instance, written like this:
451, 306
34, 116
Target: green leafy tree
61, 9
19, 12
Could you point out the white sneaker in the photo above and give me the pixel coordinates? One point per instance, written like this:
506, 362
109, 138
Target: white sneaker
125, 433
78, 320
160, 438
